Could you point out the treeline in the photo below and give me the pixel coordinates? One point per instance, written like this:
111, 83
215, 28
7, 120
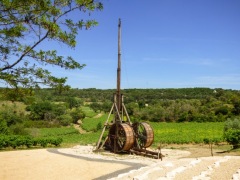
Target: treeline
132, 95
158, 105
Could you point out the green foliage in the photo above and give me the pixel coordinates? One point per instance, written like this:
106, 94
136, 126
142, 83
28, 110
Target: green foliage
74, 102
222, 110
58, 132
18, 129
41, 111
232, 132
40, 124
99, 126
15, 141
163, 105
211, 140
59, 109
233, 138
95, 106
132, 107
3, 126
236, 104
91, 124
106, 106
25, 25
88, 111
10, 116
65, 119
232, 124
77, 114
180, 133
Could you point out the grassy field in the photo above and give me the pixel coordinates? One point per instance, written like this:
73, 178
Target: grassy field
91, 124
165, 133
184, 133
70, 135
88, 111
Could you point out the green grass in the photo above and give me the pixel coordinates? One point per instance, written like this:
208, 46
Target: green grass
63, 131
83, 139
88, 111
90, 124
164, 133
180, 133
69, 135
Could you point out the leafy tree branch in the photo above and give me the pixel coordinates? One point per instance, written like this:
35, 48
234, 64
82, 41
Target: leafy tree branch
25, 24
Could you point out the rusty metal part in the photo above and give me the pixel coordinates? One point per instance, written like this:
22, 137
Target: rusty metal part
121, 137
144, 134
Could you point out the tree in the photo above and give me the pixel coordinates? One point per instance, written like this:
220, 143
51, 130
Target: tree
95, 106
232, 132
74, 102
77, 114
25, 24
41, 111
3, 126
106, 106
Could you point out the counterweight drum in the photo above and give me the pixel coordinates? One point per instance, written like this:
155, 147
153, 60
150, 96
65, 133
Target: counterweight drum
144, 134
121, 137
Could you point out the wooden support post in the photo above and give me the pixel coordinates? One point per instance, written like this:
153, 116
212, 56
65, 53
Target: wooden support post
104, 128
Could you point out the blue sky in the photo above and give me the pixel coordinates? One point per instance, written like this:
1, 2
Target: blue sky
165, 44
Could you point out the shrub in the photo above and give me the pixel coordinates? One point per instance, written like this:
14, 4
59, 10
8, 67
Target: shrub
65, 119
40, 124
3, 126
56, 141
77, 114
10, 116
233, 138
59, 109
15, 141
18, 129
40, 110
74, 102
99, 126
232, 132
221, 110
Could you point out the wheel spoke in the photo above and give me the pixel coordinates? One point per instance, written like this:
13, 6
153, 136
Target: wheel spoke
144, 134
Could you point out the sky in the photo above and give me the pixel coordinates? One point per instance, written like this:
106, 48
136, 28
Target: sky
165, 44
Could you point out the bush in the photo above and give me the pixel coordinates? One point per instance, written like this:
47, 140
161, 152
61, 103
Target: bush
40, 124
41, 110
65, 119
18, 129
233, 138
99, 126
77, 114
15, 141
59, 109
232, 132
3, 126
10, 116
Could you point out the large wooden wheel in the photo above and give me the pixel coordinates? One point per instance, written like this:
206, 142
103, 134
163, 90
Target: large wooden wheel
144, 134
121, 137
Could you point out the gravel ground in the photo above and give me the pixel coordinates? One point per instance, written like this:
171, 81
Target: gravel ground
80, 162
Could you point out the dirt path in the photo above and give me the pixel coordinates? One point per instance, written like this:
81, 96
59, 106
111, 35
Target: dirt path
98, 115
81, 163
79, 128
